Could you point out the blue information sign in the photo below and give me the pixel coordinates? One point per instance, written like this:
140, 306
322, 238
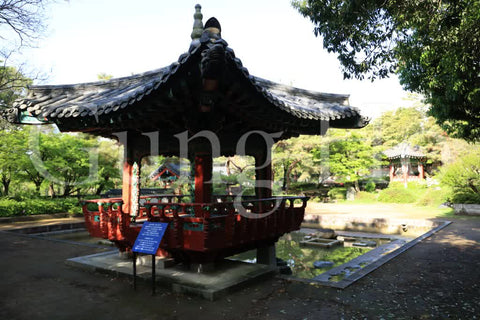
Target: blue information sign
150, 237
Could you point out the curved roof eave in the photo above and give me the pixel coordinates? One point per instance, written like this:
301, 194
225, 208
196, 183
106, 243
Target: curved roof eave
95, 99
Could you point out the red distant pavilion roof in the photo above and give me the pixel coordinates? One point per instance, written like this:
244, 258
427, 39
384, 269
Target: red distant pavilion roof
404, 150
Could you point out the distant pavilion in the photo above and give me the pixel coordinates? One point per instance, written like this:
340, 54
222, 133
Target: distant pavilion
406, 163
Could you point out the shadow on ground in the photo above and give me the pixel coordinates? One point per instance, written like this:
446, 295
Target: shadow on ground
437, 278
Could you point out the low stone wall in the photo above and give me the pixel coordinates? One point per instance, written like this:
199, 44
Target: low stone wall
405, 227
467, 209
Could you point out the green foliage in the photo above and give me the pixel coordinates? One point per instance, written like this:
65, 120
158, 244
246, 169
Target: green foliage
365, 197
370, 186
391, 195
465, 197
12, 153
463, 177
434, 47
406, 124
102, 76
32, 159
433, 196
337, 193
303, 186
343, 154
418, 194
349, 156
397, 193
12, 85
231, 179
12, 146
415, 127
293, 161
25, 207
288, 249
65, 160
316, 199
108, 168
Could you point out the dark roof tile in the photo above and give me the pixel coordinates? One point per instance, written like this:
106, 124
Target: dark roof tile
97, 98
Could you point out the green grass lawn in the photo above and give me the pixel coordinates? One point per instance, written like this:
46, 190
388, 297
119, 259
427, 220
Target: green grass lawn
380, 210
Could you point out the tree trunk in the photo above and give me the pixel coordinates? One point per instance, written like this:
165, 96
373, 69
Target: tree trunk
67, 190
287, 174
101, 187
356, 186
99, 190
6, 185
284, 185
51, 190
37, 187
36, 178
472, 186
227, 165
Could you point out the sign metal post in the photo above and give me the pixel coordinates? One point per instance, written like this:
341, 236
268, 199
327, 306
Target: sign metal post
134, 271
148, 241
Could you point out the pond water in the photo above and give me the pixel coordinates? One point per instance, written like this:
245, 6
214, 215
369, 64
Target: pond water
299, 250
300, 257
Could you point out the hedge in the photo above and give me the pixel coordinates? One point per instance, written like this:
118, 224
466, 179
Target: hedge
11, 207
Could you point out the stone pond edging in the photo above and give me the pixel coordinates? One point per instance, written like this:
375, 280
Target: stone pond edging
467, 209
404, 227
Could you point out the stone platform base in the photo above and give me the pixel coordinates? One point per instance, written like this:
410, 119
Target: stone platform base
227, 275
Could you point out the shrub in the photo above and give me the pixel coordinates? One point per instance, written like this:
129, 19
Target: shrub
433, 196
466, 197
11, 207
316, 199
302, 186
370, 186
397, 195
364, 196
463, 177
337, 193
416, 192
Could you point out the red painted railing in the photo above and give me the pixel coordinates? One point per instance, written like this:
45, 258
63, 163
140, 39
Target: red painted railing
202, 231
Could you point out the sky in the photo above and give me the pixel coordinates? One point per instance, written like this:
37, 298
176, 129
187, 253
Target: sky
124, 37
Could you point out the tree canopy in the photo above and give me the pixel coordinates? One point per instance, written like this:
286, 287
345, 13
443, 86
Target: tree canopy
463, 176
22, 22
12, 85
433, 46
22, 17
350, 156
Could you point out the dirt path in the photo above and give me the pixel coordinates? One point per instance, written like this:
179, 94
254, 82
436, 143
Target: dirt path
377, 210
436, 279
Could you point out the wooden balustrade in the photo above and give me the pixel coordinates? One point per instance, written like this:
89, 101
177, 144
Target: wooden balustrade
227, 225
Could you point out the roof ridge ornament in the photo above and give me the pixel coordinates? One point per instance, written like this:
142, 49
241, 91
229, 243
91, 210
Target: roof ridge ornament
212, 31
197, 25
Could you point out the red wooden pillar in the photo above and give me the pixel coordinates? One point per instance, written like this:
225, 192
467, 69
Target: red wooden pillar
421, 172
203, 178
131, 186
392, 170
405, 171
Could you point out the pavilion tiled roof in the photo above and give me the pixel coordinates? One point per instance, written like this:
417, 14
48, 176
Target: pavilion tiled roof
174, 168
90, 99
404, 150
96, 106
103, 97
